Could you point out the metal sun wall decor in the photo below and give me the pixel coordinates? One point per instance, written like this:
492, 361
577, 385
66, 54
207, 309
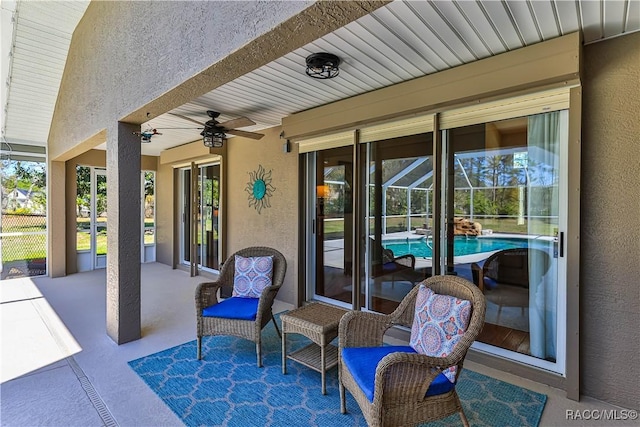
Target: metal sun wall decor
259, 188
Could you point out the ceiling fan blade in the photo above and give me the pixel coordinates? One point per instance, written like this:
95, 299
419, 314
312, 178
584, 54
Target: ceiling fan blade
200, 127
240, 122
244, 133
187, 118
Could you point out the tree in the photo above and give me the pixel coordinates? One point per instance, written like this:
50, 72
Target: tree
32, 175
83, 188
29, 177
149, 182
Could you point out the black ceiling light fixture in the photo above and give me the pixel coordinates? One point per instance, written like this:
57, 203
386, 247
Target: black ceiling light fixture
323, 65
213, 137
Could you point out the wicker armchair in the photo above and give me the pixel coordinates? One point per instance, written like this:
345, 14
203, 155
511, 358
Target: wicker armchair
248, 324
504, 276
405, 260
402, 389
401, 267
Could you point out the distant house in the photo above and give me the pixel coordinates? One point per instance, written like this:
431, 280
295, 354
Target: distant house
21, 199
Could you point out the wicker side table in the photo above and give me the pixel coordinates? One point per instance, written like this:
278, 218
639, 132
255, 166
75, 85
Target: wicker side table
318, 322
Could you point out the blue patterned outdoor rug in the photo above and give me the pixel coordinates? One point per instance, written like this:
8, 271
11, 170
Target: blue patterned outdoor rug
226, 388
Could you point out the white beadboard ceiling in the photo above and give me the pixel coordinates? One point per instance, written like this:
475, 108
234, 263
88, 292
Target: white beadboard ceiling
33, 57
398, 42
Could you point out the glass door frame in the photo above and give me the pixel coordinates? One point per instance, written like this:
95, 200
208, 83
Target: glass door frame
309, 229
439, 241
190, 201
87, 259
99, 261
411, 146
559, 366
148, 250
311, 226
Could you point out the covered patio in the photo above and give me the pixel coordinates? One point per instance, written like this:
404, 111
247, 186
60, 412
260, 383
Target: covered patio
136, 100
60, 368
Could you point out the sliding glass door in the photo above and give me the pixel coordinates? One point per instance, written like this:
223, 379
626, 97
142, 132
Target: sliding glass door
200, 227
332, 225
502, 215
486, 200
398, 177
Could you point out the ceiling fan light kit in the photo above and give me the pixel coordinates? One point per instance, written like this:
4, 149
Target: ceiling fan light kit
212, 138
214, 133
322, 65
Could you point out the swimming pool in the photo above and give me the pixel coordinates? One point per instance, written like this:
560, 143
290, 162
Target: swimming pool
462, 245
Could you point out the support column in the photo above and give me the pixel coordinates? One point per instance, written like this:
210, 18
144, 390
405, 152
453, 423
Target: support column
56, 227
71, 189
123, 233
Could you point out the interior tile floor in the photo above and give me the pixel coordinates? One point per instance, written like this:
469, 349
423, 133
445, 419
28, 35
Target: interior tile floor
58, 367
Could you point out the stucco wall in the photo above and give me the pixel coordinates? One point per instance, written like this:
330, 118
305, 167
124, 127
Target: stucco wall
610, 249
121, 50
130, 64
275, 226
166, 210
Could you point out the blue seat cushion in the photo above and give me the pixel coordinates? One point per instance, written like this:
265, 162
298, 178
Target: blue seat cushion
489, 283
234, 308
389, 267
362, 363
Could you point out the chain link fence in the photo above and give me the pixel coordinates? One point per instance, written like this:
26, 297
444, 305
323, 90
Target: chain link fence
23, 220
23, 245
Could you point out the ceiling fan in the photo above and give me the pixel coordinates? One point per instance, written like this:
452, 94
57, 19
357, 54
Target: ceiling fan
145, 135
214, 132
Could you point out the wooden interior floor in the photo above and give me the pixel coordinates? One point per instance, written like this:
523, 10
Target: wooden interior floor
507, 338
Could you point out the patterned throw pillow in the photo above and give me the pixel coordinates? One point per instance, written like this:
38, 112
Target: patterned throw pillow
438, 324
252, 275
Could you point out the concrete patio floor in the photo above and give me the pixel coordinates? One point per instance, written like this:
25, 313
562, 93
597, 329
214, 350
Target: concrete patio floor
59, 368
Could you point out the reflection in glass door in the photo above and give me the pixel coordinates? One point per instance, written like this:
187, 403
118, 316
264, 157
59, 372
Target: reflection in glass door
399, 199
200, 230
486, 206
501, 226
333, 224
99, 218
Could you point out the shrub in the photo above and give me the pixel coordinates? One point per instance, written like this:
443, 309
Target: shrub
22, 211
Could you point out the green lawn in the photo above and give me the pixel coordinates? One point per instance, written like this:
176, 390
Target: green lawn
29, 247
23, 223
17, 248
83, 241
335, 229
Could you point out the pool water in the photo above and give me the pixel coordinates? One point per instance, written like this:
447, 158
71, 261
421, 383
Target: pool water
462, 245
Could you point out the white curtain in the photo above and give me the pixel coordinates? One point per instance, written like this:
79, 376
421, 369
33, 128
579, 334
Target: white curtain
544, 135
